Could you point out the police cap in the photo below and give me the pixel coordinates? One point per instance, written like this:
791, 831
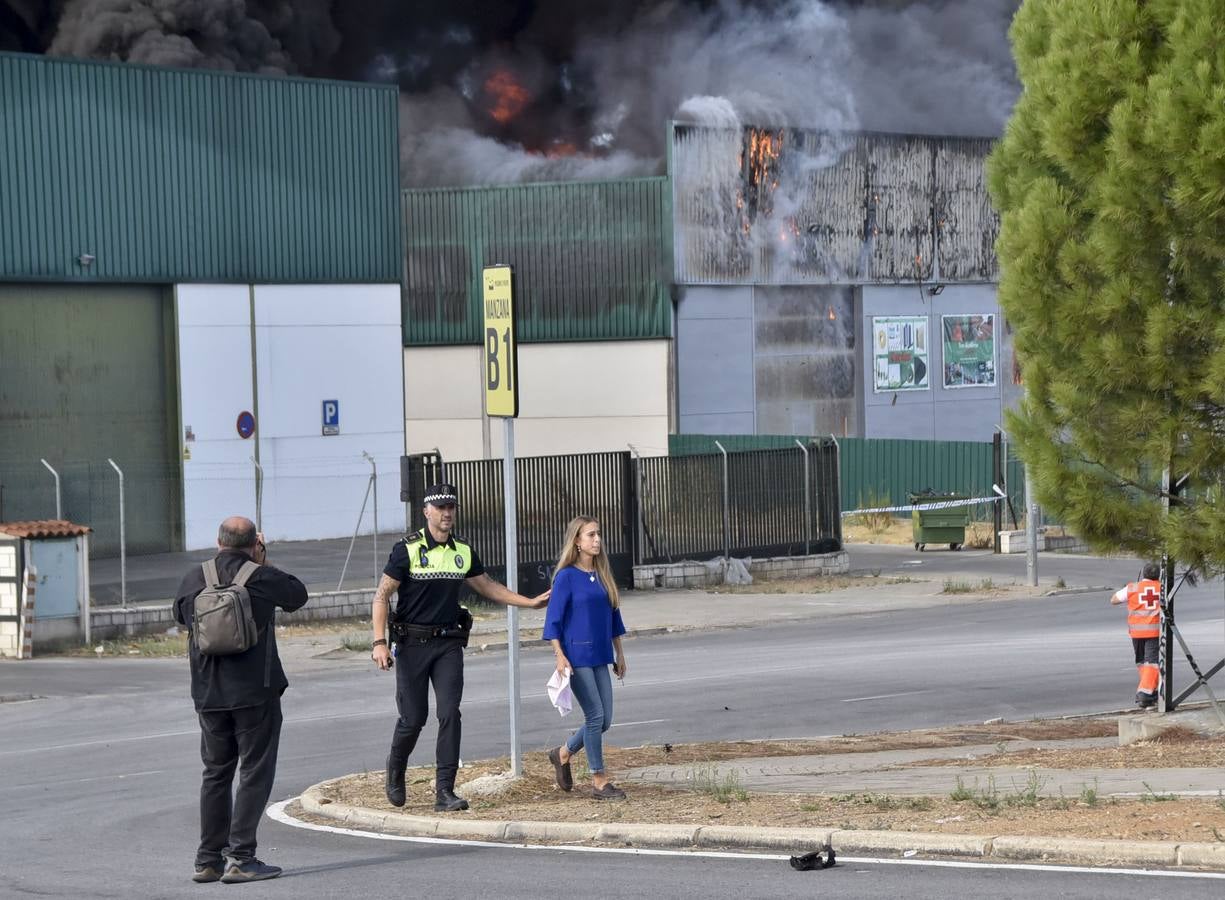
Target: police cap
441, 494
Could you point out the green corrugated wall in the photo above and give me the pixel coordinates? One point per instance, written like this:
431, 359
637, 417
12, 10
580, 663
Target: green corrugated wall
167, 175
881, 471
592, 260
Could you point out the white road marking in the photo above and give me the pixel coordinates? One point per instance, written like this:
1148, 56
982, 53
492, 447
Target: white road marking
277, 813
884, 696
120, 775
643, 722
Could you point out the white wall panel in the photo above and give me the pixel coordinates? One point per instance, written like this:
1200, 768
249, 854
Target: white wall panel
214, 337
313, 343
575, 397
329, 342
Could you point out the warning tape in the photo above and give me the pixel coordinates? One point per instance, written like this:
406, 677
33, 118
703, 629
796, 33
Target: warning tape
940, 504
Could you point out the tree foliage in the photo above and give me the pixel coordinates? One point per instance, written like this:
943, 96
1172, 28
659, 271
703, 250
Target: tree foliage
1110, 182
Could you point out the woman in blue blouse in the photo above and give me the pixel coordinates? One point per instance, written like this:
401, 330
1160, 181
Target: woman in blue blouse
584, 624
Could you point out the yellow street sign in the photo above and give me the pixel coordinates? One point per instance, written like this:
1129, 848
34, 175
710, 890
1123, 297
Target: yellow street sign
501, 348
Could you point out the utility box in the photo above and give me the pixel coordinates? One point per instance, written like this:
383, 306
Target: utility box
939, 526
46, 561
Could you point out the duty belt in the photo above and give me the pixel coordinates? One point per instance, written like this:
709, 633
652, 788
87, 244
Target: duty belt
423, 632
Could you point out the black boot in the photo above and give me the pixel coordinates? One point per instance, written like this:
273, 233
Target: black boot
396, 793
446, 801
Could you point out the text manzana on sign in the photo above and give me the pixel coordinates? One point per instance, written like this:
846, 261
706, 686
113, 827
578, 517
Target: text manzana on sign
501, 349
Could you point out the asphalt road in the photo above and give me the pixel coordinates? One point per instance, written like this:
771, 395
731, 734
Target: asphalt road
101, 775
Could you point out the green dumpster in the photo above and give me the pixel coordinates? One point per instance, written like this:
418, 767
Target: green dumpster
939, 526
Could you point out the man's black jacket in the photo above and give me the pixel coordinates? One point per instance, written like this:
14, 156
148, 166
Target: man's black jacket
230, 682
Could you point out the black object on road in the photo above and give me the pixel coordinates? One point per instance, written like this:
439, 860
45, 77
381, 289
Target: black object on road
813, 860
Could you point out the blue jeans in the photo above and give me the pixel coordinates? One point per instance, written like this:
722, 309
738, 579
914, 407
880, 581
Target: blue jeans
592, 687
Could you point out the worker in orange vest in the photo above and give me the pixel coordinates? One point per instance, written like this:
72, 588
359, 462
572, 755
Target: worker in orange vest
1143, 599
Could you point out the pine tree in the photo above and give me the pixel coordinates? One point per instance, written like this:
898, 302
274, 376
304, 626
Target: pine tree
1110, 182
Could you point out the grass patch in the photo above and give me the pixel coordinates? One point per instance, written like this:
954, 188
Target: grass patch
705, 780
875, 523
952, 586
1089, 795
1151, 796
355, 640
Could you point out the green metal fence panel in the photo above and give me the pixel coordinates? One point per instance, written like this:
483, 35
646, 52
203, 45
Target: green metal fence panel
881, 472
122, 172
591, 260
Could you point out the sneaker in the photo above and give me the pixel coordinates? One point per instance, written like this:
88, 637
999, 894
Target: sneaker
207, 874
249, 870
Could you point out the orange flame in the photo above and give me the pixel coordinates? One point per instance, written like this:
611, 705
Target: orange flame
507, 95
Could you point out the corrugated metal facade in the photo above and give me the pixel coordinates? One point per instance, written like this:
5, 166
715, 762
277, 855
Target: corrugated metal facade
785, 206
166, 175
592, 260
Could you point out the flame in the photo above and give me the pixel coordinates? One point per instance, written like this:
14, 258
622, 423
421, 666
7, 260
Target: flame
763, 151
560, 148
508, 96
832, 316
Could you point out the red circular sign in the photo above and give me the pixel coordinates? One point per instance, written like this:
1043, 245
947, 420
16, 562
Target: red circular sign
245, 424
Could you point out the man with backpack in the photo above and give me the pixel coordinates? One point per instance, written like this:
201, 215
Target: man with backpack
229, 607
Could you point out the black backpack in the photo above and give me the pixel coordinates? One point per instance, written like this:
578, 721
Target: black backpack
222, 623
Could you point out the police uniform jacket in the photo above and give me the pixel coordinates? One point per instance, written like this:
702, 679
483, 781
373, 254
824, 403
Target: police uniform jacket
254, 676
430, 576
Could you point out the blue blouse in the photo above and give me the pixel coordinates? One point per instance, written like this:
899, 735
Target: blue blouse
581, 617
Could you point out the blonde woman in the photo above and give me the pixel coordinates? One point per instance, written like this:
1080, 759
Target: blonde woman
583, 622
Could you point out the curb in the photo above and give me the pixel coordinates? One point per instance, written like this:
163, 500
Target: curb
909, 844
1091, 589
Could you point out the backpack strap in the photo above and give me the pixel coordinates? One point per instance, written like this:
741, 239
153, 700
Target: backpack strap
211, 579
247, 570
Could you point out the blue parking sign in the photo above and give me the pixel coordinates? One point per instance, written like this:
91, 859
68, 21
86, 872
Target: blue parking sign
331, 417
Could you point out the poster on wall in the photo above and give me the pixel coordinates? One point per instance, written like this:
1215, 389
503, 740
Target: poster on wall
969, 351
899, 353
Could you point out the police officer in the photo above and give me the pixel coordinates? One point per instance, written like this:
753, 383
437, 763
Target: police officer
425, 570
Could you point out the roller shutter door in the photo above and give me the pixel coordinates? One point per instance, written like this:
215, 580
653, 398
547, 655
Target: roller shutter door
87, 373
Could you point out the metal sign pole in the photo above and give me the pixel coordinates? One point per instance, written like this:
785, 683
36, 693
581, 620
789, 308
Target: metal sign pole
501, 382
512, 582
1031, 531
123, 541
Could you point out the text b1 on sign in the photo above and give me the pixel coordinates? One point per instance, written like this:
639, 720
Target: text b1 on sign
501, 348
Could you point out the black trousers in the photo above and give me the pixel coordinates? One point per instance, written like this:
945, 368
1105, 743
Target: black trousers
229, 738
437, 661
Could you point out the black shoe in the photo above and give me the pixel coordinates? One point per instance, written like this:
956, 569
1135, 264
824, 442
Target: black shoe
396, 792
446, 801
249, 870
207, 874
609, 792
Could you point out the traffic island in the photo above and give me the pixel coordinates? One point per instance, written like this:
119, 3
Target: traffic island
999, 792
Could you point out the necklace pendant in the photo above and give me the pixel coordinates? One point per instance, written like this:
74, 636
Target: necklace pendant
591, 577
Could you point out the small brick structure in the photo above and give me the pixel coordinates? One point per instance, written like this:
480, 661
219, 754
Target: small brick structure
44, 584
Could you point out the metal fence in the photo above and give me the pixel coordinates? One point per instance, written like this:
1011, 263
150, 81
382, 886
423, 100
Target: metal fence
652, 510
89, 495
883, 471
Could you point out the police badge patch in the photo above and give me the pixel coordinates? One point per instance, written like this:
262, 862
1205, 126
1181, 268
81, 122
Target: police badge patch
459, 562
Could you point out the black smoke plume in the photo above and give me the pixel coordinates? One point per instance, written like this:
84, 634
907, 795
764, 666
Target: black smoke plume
509, 90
